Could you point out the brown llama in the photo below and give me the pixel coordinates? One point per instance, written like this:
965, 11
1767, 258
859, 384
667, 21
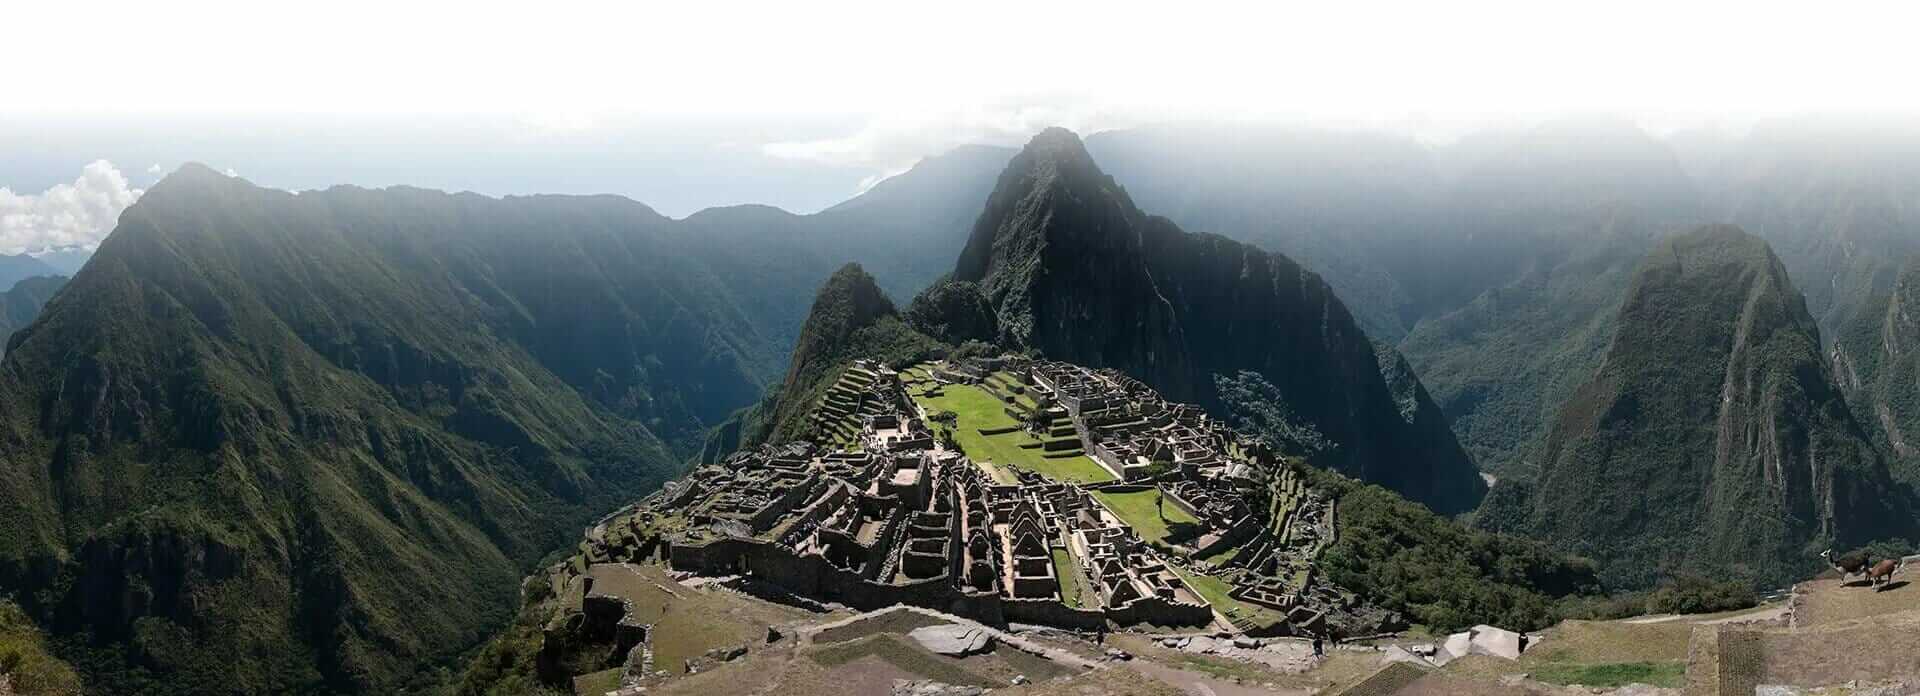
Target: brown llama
1883, 571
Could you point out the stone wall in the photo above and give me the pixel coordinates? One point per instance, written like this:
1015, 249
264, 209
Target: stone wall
1160, 612
1248, 527
813, 576
1048, 612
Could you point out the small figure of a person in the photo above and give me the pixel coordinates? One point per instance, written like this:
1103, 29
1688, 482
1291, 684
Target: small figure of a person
1523, 642
1100, 636
1319, 646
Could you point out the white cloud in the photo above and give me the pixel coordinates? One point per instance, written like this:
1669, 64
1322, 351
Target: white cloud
67, 215
155, 169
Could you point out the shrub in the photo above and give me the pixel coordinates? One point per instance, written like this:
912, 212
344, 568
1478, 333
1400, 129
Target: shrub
1692, 594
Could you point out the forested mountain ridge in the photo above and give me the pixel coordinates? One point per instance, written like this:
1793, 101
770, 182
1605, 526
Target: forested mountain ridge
278, 426
1712, 439
1073, 270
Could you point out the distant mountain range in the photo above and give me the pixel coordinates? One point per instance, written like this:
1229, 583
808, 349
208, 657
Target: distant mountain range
281, 425
19, 267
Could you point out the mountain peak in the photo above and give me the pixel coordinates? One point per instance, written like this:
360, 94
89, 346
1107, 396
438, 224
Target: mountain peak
1746, 444
1057, 152
1067, 266
192, 173
1058, 142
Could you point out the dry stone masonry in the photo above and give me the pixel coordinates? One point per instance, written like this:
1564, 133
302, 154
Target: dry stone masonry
879, 507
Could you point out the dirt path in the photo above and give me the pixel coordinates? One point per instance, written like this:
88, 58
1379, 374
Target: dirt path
1761, 614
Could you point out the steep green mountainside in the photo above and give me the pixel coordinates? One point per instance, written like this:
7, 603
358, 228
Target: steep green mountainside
271, 442
292, 422
1073, 270
1878, 362
1493, 264
19, 306
1502, 365
851, 318
1712, 439
1340, 203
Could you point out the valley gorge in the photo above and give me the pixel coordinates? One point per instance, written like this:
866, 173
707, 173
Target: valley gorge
283, 423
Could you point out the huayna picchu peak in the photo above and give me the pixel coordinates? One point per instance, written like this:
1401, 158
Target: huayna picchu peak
1074, 271
661, 354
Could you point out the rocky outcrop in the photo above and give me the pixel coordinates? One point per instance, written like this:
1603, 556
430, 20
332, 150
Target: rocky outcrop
1073, 270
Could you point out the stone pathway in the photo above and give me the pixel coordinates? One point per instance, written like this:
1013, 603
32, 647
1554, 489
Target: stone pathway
1762, 614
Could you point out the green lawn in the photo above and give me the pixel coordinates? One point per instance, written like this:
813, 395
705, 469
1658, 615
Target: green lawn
1610, 675
1215, 590
1076, 469
1139, 510
1073, 587
979, 410
976, 408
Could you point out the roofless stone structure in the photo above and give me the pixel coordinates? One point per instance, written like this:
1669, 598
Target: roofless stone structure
881, 507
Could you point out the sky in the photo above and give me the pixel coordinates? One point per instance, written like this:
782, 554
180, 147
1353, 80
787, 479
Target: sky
685, 105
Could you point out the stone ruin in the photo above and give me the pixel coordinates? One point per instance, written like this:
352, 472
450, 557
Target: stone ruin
873, 510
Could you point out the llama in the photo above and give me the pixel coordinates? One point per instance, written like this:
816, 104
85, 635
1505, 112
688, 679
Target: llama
1883, 571
1851, 564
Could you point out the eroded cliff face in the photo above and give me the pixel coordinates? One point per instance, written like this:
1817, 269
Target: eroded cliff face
1075, 271
1877, 361
1713, 437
